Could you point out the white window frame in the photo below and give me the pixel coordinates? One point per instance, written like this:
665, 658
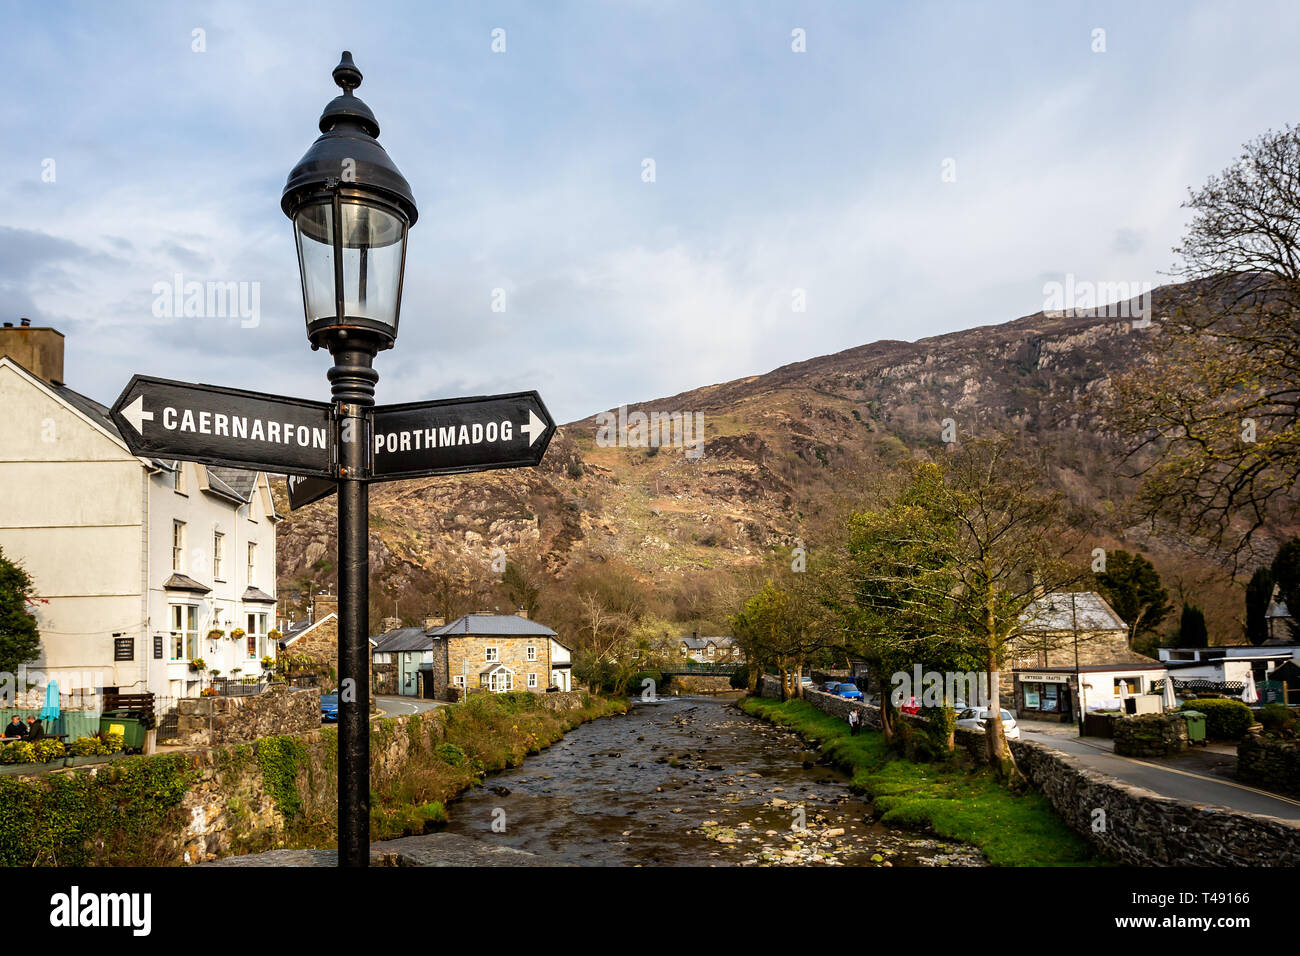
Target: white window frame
492, 655
532, 652
178, 478
532, 680
458, 680
178, 545
252, 562
189, 639
218, 555
255, 634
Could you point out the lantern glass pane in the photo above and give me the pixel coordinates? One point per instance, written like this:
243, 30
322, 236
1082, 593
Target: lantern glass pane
314, 226
373, 241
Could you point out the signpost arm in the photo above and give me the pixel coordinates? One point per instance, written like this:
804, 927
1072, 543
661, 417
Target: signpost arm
353, 384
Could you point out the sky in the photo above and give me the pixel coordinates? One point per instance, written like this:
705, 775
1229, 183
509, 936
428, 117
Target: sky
915, 169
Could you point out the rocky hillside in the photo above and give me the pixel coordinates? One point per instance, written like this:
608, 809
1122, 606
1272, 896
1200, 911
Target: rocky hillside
781, 451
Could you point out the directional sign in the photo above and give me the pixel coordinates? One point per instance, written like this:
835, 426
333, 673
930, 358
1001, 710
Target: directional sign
459, 435
303, 490
225, 426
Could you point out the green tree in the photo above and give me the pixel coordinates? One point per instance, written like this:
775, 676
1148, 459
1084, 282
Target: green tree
20, 640
1286, 575
945, 571
1191, 628
1132, 586
1259, 593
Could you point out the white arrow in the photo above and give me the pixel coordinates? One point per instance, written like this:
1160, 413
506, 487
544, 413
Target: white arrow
136, 415
534, 428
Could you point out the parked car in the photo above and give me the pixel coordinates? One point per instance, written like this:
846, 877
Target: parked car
329, 708
849, 691
830, 685
975, 718
806, 681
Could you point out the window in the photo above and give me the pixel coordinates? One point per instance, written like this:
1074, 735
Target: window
218, 554
532, 652
382, 658
685, 652
252, 562
178, 477
709, 652
185, 632
532, 680
458, 681
1128, 686
178, 546
499, 681
490, 654
255, 635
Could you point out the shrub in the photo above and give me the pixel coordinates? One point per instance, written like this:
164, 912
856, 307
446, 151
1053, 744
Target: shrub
451, 754
1278, 719
1224, 719
18, 752
85, 747
47, 749
637, 684
740, 679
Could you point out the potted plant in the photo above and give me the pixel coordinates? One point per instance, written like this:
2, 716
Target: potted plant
237, 634
216, 634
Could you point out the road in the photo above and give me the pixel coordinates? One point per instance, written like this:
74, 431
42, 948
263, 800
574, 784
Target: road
1188, 777
396, 706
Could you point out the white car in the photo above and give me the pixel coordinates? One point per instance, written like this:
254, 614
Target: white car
974, 719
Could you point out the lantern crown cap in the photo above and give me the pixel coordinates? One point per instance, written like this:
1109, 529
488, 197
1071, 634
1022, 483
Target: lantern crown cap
348, 110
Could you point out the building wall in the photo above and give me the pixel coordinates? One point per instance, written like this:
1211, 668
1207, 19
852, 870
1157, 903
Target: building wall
222, 608
466, 655
73, 518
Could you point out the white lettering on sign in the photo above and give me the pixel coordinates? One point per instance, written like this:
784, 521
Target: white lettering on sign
448, 436
242, 426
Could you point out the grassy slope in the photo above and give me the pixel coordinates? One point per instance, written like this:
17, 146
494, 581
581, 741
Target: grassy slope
971, 806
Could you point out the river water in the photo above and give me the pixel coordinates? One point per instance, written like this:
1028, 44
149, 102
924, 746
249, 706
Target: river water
687, 781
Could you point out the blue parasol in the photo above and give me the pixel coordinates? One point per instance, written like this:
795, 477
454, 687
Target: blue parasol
51, 709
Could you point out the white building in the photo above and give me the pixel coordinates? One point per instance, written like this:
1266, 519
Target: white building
135, 560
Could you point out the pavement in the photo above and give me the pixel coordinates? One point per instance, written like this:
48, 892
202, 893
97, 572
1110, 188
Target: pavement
1202, 775
396, 706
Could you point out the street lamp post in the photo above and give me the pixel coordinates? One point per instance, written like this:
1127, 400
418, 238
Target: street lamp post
351, 210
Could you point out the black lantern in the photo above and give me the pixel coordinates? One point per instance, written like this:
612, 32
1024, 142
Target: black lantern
351, 210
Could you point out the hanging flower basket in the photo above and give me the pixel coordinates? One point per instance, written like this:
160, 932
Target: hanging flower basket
198, 664
216, 634
237, 634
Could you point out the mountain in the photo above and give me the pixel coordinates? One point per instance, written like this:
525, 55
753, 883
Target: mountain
780, 451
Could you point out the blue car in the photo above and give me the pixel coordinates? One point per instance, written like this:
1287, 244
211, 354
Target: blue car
830, 686
329, 708
848, 691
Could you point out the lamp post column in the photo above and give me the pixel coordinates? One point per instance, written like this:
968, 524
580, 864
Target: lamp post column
353, 384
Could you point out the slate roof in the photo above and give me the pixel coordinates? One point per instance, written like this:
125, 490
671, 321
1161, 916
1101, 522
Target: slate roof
257, 595
700, 643
183, 582
1052, 613
492, 625
236, 479
403, 639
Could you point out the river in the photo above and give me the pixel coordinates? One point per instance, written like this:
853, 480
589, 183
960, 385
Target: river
687, 781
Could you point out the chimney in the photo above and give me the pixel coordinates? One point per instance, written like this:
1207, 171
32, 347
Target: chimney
432, 622
39, 350
323, 604
522, 612
695, 635
390, 624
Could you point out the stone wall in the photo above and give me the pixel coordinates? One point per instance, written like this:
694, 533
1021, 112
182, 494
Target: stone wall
1135, 826
1267, 763
210, 721
1150, 735
700, 684
469, 650
1142, 828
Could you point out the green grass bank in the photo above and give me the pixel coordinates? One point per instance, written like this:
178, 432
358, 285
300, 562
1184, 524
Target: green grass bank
946, 798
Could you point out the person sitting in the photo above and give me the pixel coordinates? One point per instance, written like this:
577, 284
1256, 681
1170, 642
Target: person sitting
16, 729
35, 729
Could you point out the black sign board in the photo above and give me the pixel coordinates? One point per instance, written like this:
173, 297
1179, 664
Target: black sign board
123, 648
157, 647
225, 426
459, 435
303, 490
